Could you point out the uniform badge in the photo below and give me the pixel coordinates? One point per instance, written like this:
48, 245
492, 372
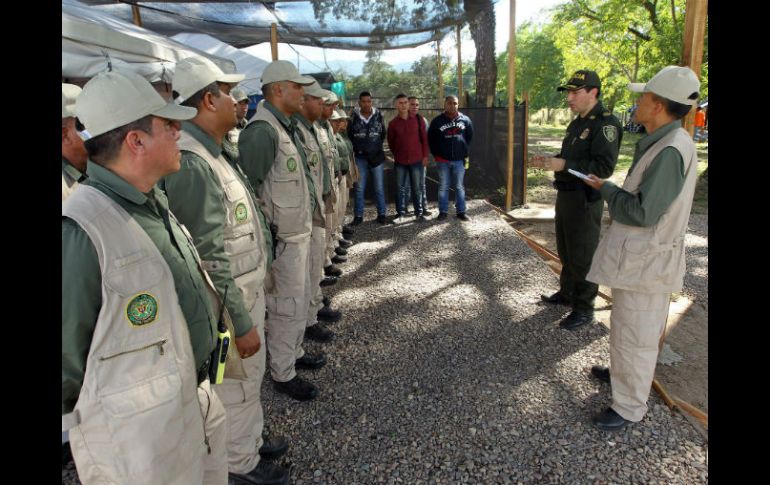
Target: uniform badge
291, 164
241, 213
585, 133
313, 159
142, 309
610, 132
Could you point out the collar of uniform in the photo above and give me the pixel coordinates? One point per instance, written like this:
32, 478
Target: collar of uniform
645, 142
323, 123
109, 179
242, 123
301, 119
595, 111
71, 170
287, 122
204, 138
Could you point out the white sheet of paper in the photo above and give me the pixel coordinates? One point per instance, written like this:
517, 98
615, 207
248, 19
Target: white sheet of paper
577, 174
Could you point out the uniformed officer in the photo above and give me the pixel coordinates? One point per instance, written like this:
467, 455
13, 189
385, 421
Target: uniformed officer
210, 196
73, 152
139, 314
592, 145
230, 141
348, 166
335, 254
275, 162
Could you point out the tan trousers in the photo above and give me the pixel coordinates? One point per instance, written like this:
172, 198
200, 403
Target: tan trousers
215, 424
339, 209
242, 402
287, 307
636, 325
317, 257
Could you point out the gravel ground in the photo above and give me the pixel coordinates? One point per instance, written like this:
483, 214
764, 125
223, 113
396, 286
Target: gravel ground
446, 370
696, 279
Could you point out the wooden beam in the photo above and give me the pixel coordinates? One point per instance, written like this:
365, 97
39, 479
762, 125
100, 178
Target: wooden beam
511, 103
459, 71
274, 41
526, 145
136, 15
440, 75
692, 48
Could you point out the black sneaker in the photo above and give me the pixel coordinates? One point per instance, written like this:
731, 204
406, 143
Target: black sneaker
341, 251
337, 259
332, 270
265, 473
577, 319
318, 333
328, 314
345, 243
328, 281
463, 217
273, 447
347, 230
441, 216
357, 220
383, 219
309, 361
297, 388
426, 212
327, 301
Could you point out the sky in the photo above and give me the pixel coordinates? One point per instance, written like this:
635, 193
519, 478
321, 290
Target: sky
311, 59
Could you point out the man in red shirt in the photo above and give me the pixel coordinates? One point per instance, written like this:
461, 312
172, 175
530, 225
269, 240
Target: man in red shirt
408, 141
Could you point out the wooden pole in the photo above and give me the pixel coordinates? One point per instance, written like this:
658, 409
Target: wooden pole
274, 41
692, 50
440, 75
136, 15
511, 102
459, 71
526, 144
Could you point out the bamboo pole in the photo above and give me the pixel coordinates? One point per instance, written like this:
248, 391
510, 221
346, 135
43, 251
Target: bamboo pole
692, 50
511, 102
136, 15
274, 41
526, 145
459, 71
440, 75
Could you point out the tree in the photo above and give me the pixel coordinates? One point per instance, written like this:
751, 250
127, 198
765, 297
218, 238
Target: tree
482, 29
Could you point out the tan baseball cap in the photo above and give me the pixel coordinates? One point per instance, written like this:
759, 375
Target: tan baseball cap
238, 94
331, 98
114, 99
195, 73
284, 71
338, 115
69, 93
679, 84
316, 90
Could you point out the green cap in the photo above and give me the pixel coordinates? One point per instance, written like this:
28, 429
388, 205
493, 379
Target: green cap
582, 79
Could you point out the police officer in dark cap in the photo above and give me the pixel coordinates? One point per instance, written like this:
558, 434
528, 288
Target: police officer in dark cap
591, 146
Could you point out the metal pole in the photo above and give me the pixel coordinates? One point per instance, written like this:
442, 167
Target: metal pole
274, 41
440, 74
692, 50
511, 101
460, 96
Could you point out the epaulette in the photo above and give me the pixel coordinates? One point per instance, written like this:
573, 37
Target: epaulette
592, 117
606, 113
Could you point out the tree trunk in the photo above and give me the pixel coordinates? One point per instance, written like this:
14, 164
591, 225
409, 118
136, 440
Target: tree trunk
483, 33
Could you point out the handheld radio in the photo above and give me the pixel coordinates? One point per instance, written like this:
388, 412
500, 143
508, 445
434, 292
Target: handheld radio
217, 369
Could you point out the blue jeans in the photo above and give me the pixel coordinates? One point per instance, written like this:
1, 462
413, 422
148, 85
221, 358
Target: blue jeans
424, 191
379, 189
409, 176
455, 168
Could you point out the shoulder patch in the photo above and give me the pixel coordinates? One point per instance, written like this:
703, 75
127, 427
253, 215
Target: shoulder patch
606, 113
610, 132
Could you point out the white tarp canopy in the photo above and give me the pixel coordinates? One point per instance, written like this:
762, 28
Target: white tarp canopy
91, 40
245, 63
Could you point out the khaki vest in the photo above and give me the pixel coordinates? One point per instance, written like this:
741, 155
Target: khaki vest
285, 192
650, 259
315, 162
244, 240
68, 185
138, 412
329, 151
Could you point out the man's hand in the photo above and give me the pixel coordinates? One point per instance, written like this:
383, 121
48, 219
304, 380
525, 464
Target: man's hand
425, 162
594, 181
248, 344
547, 162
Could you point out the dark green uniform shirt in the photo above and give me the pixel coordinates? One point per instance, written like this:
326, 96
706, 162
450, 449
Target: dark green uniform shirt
196, 198
344, 148
72, 172
327, 186
662, 183
258, 143
592, 145
82, 278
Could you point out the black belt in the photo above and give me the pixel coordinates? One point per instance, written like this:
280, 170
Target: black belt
568, 185
203, 371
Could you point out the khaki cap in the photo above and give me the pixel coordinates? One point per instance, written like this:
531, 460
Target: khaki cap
338, 115
331, 98
679, 84
114, 99
195, 73
238, 94
316, 90
284, 71
69, 93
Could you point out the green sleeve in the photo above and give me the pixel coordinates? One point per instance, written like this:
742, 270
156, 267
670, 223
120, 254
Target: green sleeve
81, 301
257, 146
663, 181
195, 198
604, 153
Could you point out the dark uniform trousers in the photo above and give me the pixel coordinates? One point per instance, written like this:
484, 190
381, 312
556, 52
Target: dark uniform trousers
591, 145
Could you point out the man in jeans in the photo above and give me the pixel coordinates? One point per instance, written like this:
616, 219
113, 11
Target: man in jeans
414, 107
367, 132
449, 137
409, 143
